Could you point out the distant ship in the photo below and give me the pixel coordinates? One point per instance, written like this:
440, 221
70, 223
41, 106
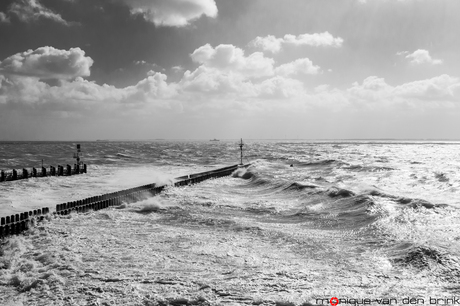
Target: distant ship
214, 139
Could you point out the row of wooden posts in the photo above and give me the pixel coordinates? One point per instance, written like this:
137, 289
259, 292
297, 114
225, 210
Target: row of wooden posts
16, 224
13, 175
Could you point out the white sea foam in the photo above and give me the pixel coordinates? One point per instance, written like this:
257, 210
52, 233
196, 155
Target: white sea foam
359, 214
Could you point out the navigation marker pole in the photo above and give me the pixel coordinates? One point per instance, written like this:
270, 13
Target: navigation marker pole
241, 149
77, 155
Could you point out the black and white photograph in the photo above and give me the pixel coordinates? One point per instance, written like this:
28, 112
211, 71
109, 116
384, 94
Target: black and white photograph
229, 152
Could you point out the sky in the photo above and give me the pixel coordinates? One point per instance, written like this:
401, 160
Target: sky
229, 69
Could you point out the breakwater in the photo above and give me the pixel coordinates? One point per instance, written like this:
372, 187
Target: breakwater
13, 175
16, 224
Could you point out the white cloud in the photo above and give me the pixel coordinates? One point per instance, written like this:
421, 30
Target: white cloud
216, 82
223, 80
230, 58
316, 40
301, 66
421, 57
22, 85
268, 43
172, 12
226, 71
79, 95
48, 63
441, 88
280, 87
373, 89
177, 69
32, 10
149, 90
437, 90
274, 45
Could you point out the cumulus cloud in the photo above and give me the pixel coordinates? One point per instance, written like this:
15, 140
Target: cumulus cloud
421, 57
230, 58
81, 95
225, 78
48, 63
172, 12
23, 75
280, 87
177, 69
225, 70
316, 40
148, 90
268, 43
439, 89
274, 45
33, 10
301, 66
372, 89
213, 81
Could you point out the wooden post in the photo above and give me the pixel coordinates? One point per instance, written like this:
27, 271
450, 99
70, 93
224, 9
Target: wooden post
15, 175
34, 172
2, 175
241, 149
43, 171
25, 173
69, 170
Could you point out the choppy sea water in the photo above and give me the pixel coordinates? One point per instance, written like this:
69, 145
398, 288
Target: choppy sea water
390, 207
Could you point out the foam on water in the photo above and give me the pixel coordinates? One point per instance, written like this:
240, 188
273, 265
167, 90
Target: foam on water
359, 211
33, 193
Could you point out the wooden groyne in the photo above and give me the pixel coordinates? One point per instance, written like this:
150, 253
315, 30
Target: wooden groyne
13, 175
16, 224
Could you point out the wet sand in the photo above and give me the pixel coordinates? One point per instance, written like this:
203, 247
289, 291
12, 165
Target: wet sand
184, 253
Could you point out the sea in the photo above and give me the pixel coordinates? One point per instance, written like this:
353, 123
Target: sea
380, 218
